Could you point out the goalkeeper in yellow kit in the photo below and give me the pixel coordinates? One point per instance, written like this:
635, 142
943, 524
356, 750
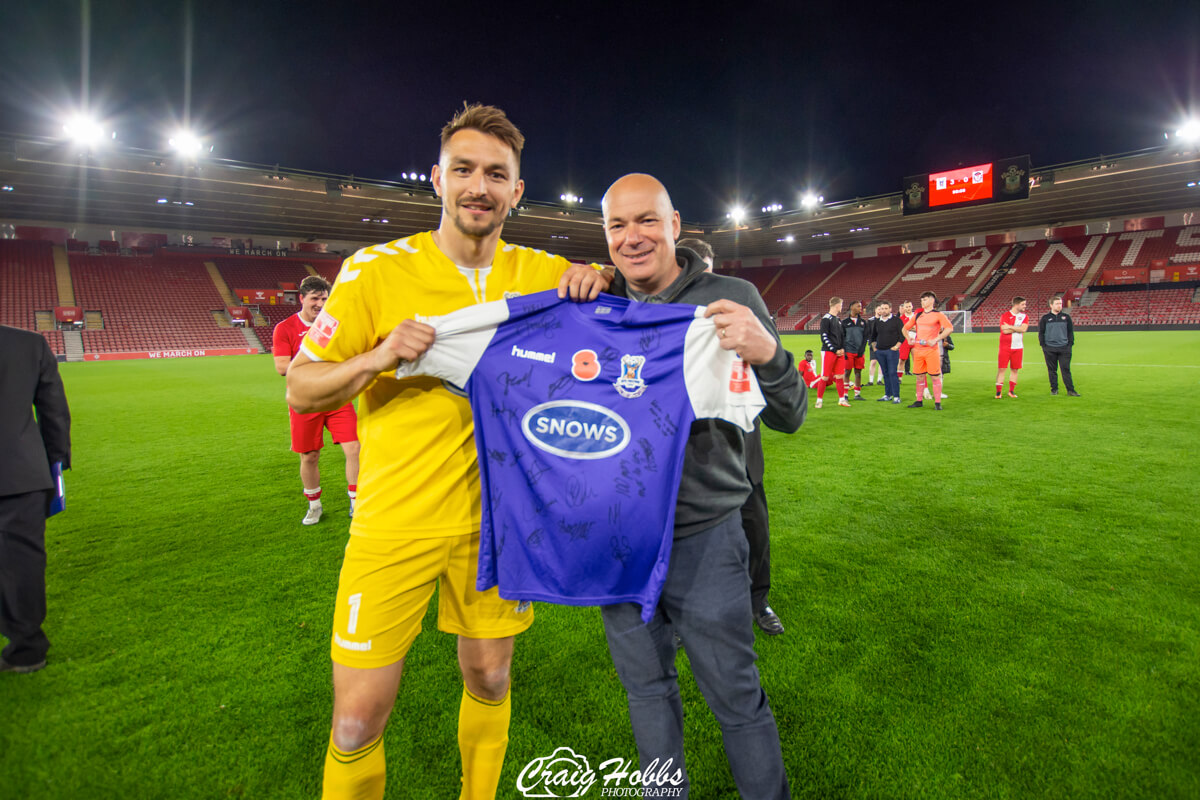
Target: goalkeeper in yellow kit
416, 521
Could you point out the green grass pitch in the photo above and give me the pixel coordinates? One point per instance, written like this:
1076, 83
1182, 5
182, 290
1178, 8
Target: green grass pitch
998, 601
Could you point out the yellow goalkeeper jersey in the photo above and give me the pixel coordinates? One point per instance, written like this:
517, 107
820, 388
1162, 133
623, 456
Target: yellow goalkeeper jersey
418, 476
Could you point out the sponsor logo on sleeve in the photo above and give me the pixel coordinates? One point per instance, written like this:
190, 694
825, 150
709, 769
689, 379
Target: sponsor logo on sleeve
739, 380
323, 328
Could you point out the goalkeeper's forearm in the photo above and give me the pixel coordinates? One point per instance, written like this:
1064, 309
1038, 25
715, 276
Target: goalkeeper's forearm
325, 386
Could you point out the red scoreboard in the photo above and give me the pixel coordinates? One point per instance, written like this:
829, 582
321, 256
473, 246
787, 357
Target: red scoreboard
967, 186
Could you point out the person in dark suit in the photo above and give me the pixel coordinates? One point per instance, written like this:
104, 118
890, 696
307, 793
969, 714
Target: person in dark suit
31, 445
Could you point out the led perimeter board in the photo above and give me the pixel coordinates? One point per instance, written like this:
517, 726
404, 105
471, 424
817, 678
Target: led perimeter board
977, 185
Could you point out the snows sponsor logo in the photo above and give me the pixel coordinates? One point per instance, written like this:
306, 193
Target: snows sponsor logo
575, 429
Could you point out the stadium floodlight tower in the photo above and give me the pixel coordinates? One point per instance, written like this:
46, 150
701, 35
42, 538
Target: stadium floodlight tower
86, 132
811, 200
737, 215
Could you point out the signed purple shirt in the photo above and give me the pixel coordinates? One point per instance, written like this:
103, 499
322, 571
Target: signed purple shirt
582, 412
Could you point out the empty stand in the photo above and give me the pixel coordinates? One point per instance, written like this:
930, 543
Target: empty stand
27, 286
149, 303
1143, 307
945, 273
793, 284
1042, 271
268, 273
273, 315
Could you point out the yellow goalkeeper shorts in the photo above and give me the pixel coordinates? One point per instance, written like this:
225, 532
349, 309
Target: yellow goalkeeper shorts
384, 591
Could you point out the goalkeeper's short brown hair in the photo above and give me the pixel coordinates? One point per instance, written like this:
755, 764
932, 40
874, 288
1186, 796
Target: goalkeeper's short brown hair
489, 120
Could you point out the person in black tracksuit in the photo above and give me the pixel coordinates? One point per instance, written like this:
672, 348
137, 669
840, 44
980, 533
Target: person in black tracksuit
1056, 335
855, 328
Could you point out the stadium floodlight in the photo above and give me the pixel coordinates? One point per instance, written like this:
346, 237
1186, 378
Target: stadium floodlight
737, 214
8, 188
811, 200
85, 131
162, 201
569, 198
384, 221
1189, 131
187, 143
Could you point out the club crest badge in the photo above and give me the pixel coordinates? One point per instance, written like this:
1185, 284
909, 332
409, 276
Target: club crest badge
630, 384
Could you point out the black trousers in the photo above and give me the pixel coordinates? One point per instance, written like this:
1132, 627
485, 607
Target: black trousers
757, 524
23, 577
1055, 360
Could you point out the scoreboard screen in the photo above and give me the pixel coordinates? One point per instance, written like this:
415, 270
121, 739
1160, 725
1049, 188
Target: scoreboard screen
960, 185
993, 182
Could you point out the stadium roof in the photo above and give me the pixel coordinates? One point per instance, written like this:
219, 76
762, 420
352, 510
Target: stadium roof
133, 189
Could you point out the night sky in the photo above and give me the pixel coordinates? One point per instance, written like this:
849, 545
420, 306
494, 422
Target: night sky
755, 103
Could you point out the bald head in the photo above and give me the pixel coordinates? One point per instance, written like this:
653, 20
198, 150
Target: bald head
641, 226
636, 182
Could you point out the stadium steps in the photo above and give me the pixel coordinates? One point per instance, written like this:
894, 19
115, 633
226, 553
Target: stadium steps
219, 282
1196, 296
828, 278
252, 339
43, 320
1089, 298
221, 317
73, 345
984, 274
1097, 262
770, 283
62, 277
312, 270
93, 321
256, 317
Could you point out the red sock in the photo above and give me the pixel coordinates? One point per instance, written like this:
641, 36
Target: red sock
841, 387
920, 387
1012, 386
999, 389
315, 494
937, 388
821, 384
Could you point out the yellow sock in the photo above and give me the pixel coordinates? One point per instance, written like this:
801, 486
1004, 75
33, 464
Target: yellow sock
358, 775
482, 740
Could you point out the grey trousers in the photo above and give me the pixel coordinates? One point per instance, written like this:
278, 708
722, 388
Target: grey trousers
706, 601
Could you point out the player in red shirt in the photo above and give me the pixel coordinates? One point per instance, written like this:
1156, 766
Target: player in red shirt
308, 430
807, 370
1013, 324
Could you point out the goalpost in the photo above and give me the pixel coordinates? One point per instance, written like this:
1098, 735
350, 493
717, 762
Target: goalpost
961, 320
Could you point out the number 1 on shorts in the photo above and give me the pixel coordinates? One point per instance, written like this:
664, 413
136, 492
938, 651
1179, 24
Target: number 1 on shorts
355, 600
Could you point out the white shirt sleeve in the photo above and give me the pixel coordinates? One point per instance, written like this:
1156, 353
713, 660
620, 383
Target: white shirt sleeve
462, 338
719, 383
